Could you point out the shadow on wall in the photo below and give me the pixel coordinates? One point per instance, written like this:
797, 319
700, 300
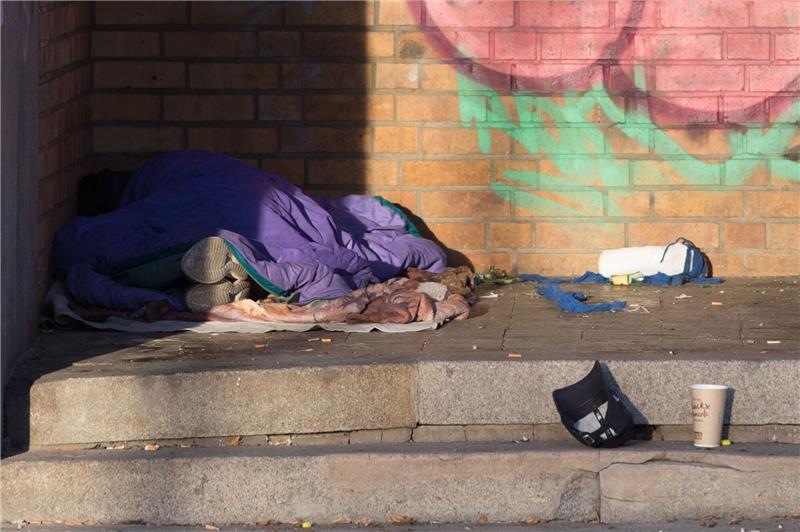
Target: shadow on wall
288, 87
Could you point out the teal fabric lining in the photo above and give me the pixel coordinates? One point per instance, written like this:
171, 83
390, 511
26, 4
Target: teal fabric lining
121, 267
262, 282
159, 274
410, 227
159, 270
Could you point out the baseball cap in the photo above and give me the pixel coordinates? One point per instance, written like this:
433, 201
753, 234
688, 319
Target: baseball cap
592, 413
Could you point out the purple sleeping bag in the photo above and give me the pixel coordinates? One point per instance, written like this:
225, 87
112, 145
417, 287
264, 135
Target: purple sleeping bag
290, 244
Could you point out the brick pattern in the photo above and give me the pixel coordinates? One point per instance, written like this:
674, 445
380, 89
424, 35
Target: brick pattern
64, 88
353, 96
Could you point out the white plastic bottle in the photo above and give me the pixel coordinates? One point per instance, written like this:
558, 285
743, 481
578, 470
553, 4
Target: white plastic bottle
645, 260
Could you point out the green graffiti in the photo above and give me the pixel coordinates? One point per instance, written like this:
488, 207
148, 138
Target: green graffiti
596, 153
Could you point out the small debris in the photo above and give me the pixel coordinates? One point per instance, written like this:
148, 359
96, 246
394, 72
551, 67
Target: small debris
490, 295
671, 352
514, 355
773, 341
268, 522
364, 521
474, 347
683, 296
716, 303
116, 447
235, 441
708, 524
260, 346
214, 334
305, 524
532, 521
280, 440
725, 443
152, 447
735, 519
307, 350
341, 520
399, 519
315, 339
209, 526
483, 519
326, 340
751, 341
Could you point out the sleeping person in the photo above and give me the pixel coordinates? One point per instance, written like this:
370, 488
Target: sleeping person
228, 229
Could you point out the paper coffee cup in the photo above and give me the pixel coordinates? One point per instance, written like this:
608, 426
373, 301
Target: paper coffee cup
708, 410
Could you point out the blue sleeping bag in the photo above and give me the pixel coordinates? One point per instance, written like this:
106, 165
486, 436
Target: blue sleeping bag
292, 245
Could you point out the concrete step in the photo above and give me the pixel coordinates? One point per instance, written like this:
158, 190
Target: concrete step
153, 390
720, 524
467, 483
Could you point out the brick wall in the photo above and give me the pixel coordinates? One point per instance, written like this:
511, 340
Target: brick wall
528, 135
64, 86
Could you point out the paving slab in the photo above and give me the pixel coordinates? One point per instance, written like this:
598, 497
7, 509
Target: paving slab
657, 391
178, 486
426, 482
222, 402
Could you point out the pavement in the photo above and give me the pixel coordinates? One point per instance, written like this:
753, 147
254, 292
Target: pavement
753, 319
722, 524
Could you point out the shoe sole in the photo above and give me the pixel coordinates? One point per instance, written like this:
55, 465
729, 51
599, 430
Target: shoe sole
203, 297
210, 261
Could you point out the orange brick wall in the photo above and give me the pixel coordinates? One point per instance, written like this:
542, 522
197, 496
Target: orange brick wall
64, 87
528, 135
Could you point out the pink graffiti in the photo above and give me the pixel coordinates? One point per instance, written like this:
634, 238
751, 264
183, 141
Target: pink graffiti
692, 60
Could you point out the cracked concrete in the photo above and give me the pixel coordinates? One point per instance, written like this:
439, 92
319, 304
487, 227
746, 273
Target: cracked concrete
428, 482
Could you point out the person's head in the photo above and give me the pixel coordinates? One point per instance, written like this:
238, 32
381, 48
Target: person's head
100, 193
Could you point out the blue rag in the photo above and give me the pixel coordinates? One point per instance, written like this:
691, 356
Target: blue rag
572, 301
576, 301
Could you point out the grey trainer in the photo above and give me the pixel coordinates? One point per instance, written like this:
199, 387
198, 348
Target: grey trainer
202, 297
210, 261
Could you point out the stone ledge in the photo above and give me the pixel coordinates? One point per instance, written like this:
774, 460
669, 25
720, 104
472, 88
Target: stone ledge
355, 397
427, 482
199, 404
657, 391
